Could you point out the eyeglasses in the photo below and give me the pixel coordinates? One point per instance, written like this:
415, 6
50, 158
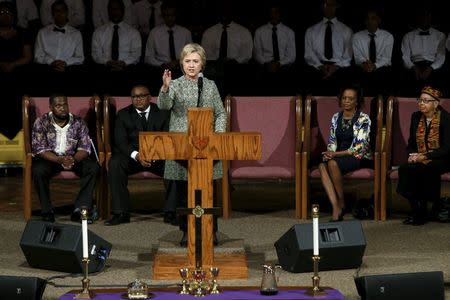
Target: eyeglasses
140, 97
425, 101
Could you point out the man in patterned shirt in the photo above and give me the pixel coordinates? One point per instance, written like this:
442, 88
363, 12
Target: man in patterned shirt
60, 141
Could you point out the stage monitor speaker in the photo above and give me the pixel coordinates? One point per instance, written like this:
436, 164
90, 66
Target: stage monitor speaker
59, 247
411, 286
342, 246
21, 288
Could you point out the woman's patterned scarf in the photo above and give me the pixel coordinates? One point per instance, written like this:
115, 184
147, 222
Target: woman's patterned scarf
432, 141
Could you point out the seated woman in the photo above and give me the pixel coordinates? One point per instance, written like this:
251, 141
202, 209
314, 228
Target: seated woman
348, 147
16, 50
15, 53
429, 155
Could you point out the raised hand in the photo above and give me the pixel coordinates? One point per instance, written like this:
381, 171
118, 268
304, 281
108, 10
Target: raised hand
167, 77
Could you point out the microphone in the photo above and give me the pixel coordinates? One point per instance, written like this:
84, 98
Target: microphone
200, 87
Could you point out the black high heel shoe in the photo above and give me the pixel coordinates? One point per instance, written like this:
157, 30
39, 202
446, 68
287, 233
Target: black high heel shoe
340, 217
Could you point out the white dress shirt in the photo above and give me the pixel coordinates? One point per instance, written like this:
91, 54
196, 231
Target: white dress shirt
52, 45
75, 13
26, 11
384, 41
61, 135
240, 42
263, 49
129, 43
100, 12
416, 47
315, 46
157, 51
147, 112
141, 15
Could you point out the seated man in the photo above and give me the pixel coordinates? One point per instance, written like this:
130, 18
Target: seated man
59, 46
140, 115
60, 141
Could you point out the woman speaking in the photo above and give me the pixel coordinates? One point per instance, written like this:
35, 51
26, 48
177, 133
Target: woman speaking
177, 95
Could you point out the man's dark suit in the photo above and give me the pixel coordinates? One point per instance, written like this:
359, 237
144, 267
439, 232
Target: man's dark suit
126, 140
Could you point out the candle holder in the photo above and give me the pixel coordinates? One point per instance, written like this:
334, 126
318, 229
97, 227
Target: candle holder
85, 293
316, 290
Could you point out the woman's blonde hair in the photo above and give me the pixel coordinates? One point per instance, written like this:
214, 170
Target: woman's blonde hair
193, 48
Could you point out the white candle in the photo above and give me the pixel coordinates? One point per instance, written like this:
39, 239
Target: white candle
316, 236
85, 238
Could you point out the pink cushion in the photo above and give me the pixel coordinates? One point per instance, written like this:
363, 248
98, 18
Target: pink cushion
144, 175
262, 172
393, 175
80, 106
365, 173
401, 118
120, 102
66, 175
445, 177
274, 118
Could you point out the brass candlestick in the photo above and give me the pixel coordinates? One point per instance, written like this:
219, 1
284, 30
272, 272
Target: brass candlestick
85, 293
316, 290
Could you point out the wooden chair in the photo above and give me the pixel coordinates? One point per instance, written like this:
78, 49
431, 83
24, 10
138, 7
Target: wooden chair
279, 120
318, 114
398, 116
86, 107
111, 106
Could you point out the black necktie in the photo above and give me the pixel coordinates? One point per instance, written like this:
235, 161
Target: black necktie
115, 43
62, 30
143, 121
223, 43
424, 32
372, 48
151, 19
276, 51
172, 45
328, 42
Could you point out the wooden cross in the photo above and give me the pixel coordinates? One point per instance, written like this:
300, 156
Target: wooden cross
198, 211
200, 147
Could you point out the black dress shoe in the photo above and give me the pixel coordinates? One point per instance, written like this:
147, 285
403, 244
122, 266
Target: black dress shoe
118, 219
48, 217
183, 241
169, 216
340, 217
415, 221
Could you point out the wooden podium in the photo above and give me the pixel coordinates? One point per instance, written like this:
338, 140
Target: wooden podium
200, 147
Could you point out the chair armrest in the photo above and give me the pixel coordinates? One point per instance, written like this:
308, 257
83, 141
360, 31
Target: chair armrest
387, 144
99, 128
306, 145
26, 101
228, 112
298, 123
107, 130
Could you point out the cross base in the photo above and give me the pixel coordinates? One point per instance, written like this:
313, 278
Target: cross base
231, 265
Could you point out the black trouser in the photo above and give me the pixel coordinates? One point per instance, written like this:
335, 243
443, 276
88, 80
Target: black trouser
43, 170
420, 183
180, 190
119, 168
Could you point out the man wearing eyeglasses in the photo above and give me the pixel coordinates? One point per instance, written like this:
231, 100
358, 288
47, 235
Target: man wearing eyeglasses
140, 115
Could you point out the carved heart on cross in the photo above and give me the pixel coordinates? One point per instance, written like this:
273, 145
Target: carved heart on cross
200, 144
